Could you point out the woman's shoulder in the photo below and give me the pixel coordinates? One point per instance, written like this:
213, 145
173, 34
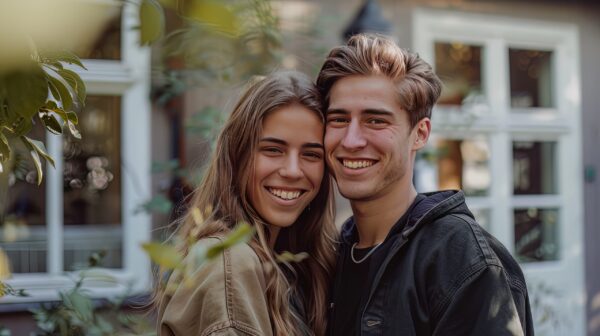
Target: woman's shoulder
240, 255
232, 284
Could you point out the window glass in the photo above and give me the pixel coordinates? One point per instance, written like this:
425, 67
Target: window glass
534, 167
536, 234
23, 232
92, 185
454, 164
530, 78
459, 66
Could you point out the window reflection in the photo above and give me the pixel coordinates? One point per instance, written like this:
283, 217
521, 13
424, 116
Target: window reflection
530, 78
92, 185
534, 167
536, 234
454, 164
459, 66
23, 225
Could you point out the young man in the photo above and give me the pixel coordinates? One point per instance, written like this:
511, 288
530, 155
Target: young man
409, 263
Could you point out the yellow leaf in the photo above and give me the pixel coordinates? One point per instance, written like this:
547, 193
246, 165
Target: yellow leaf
215, 14
164, 255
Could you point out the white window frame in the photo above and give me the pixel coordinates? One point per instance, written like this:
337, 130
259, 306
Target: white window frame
128, 78
503, 125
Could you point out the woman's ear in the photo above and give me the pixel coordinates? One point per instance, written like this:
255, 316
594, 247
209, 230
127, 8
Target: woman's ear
422, 130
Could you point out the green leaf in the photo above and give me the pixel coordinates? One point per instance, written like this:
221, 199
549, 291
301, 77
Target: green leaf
152, 21
26, 91
74, 131
51, 123
76, 83
4, 149
36, 160
23, 126
62, 56
241, 234
37, 148
163, 255
60, 86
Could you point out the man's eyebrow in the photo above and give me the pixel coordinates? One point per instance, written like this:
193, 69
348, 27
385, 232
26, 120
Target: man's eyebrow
371, 111
337, 111
380, 112
284, 143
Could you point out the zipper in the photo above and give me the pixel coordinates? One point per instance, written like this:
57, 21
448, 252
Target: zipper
395, 248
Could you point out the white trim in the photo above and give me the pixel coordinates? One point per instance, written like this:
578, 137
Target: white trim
129, 78
504, 124
54, 205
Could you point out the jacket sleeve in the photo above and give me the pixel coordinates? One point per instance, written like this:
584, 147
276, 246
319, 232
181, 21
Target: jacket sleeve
481, 305
224, 297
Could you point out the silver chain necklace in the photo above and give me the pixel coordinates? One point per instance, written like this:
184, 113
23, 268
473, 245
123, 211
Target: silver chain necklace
366, 255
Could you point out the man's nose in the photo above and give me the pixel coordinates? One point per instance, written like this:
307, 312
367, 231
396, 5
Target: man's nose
291, 168
354, 138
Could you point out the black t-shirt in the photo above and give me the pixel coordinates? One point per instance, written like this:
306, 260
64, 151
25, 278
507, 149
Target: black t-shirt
357, 280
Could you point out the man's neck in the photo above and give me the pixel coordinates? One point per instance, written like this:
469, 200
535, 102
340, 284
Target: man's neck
375, 218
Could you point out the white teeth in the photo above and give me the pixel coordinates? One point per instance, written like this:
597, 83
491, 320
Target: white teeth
286, 195
357, 164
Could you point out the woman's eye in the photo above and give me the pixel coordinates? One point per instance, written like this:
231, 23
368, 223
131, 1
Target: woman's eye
272, 150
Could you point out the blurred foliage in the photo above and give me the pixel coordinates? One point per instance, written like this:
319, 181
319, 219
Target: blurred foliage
40, 91
77, 314
171, 260
219, 42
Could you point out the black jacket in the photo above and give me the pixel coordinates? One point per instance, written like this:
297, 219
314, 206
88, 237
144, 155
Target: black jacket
443, 275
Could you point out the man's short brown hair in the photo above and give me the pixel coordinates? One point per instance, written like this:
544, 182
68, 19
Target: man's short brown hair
417, 85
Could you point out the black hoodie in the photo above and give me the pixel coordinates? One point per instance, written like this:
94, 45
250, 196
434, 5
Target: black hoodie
440, 274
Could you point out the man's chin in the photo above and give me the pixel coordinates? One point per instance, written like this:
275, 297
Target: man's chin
354, 192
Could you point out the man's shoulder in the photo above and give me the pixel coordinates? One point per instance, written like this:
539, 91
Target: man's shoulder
464, 243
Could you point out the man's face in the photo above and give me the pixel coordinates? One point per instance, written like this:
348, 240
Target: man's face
369, 143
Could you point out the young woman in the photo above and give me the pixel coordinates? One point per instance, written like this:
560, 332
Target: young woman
267, 170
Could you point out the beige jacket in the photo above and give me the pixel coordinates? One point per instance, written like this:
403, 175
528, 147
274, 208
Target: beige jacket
225, 297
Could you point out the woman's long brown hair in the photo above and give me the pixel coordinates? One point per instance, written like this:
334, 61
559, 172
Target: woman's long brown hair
224, 191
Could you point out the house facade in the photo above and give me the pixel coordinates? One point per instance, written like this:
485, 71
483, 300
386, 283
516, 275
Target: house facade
517, 129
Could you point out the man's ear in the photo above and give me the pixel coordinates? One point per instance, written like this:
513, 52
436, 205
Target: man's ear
422, 130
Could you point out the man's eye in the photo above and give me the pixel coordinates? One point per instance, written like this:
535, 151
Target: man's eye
313, 155
375, 121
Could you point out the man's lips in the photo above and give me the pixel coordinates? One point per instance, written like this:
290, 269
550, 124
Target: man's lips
357, 163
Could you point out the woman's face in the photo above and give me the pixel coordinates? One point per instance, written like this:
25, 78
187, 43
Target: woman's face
288, 164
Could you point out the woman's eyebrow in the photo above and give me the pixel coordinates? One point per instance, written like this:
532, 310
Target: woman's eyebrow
284, 143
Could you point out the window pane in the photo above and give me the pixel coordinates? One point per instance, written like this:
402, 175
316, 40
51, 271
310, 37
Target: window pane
536, 234
534, 167
459, 67
455, 164
23, 234
530, 78
92, 185
107, 45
